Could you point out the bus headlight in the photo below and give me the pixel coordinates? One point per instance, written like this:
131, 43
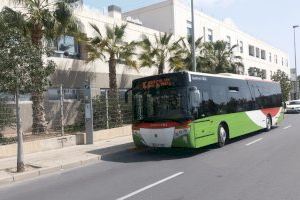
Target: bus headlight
181, 132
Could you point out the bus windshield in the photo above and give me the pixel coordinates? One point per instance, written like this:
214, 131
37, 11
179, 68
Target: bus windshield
160, 104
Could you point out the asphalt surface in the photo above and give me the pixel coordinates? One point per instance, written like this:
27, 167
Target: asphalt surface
261, 166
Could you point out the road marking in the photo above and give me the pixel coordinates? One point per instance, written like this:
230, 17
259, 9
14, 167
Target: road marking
287, 127
150, 186
254, 141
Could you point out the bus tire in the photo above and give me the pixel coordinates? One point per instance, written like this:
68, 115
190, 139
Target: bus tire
268, 123
222, 135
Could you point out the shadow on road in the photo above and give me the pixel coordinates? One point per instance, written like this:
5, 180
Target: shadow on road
132, 154
127, 153
241, 138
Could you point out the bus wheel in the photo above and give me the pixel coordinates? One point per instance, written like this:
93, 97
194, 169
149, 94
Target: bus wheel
268, 123
222, 135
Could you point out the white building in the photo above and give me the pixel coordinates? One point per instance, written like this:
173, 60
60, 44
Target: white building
173, 16
168, 16
72, 69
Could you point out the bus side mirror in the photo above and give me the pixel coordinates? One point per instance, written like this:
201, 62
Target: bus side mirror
195, 97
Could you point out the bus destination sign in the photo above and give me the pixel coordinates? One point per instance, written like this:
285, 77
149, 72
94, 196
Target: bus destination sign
156, 83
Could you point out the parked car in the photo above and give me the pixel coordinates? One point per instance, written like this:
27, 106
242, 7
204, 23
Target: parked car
293, 106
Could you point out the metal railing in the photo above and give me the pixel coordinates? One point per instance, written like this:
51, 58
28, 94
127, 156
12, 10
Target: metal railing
64, 112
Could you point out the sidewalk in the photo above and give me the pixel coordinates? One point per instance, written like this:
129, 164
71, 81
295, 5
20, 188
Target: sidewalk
51, 161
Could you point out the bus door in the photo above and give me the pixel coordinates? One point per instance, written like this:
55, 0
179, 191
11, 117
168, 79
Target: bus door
203, 124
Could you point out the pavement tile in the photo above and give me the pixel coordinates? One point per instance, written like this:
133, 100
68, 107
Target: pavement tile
65, 158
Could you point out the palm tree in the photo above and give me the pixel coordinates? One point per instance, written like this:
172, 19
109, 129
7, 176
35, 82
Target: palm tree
163, 51
218, 57
113, 49
43, 20
187, 46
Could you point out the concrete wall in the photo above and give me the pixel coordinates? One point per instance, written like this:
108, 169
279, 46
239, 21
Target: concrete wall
75, 78
26, 117
72, 115
112, 133
157, 16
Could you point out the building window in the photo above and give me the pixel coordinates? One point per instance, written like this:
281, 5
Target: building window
257, 53
189, 28
251, 50
7, 97
66, 46
270, 57
276, 59
257, 72
210, 35
228, 40
263, 54
122, 92
241, 47
287, 62
282, 61
69, 94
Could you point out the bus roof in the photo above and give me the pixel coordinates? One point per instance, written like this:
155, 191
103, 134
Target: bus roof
229, 75
221, 75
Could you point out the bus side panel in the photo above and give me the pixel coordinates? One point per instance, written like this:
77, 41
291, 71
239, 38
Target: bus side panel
204, 132
185, 141
238, 124
281, 117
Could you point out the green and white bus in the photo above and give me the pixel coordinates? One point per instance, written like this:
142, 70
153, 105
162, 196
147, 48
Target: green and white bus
192, 110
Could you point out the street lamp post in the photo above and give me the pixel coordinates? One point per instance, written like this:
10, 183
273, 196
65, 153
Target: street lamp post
193, 37
295, 51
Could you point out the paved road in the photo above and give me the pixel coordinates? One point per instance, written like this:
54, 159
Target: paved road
263, 166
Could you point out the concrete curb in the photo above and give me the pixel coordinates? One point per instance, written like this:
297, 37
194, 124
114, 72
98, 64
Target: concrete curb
6, 180
49, 170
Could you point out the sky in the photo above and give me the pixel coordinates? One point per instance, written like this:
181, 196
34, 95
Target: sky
268, 20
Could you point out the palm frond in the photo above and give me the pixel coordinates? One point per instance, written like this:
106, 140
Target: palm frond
110, 32
119, 31
95, 27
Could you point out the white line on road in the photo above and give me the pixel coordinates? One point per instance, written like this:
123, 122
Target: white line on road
287, 127
149, 186
254, 141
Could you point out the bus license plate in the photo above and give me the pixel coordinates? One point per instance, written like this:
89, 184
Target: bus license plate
157, 145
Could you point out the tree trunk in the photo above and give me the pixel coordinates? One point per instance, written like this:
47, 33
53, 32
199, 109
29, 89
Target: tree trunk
37, 35
115, 111
161, 68
39, 124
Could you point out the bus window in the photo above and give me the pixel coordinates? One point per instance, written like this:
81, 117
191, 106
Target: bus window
204, 110
138, 109
219, 99
233, 104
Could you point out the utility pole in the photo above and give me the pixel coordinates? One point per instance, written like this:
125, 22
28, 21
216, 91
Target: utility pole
193, 38
295, 51
61, 92
88, 102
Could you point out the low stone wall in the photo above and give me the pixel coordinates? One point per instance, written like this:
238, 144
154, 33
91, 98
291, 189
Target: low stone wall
65, 141
112, 133
41, 145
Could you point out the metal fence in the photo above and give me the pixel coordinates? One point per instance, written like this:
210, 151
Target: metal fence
64, 110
